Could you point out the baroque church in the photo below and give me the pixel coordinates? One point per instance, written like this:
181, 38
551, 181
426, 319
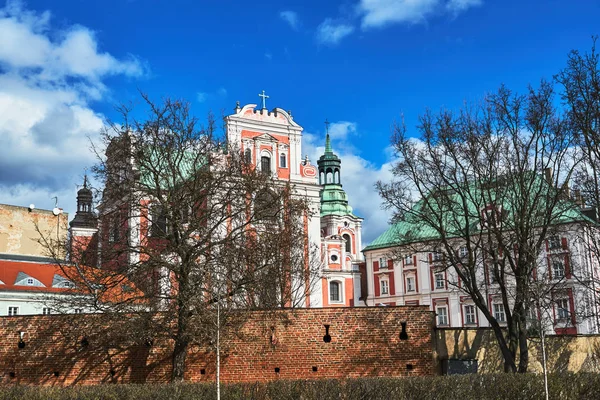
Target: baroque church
272, 141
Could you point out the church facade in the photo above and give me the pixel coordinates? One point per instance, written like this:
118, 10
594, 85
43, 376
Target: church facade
271, 141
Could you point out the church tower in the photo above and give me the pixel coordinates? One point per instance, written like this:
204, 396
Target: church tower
271, 140
340, 234
84, 229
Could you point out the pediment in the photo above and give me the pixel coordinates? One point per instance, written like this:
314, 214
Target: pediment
265, 137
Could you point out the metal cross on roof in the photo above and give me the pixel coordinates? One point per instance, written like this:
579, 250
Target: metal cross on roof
327, 125
264, 99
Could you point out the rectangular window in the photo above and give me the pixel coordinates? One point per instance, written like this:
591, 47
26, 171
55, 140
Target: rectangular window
558, 269
385, 287
463, 252
499, 312
410, 284
408, 260
13, 310
46, 311
78, 311
554, 242
30, 281
442, 316
382, 263
334, 291
470, 318
113, 228
265, 164
439, 280
282, 161
437, 255
159, 221
562, 311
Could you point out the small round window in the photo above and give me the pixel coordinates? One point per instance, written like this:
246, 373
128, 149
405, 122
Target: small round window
334, 258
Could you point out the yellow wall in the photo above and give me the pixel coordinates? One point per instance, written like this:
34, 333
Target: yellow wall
564, 353
18, 234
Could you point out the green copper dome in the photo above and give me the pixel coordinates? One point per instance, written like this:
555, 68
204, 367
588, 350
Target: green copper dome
334, 200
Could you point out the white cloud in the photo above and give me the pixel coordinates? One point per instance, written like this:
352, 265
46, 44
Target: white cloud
47, 78
458, 6
291, 17
202, 97
340, 130
331, 32
268, 56
380, 13
358, 177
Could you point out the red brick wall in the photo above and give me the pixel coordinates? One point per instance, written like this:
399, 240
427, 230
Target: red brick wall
364, 342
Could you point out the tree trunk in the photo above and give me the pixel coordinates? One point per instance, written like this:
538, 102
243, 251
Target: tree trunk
523, 349
179, 356
507, 355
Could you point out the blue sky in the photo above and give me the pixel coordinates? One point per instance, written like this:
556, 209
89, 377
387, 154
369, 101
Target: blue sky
359, 63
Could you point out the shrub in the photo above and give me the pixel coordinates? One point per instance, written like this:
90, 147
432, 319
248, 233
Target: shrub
465, 387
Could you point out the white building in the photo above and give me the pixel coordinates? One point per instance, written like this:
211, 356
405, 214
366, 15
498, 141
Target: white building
415, 272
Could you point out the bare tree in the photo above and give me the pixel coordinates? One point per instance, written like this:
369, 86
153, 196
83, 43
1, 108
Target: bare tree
580, 82
477, 186
200, 235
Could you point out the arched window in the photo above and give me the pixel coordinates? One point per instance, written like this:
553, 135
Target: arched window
322, 178
248, 156
348, 243
335, 291
265, 164
282, 160
329, 176
336, 176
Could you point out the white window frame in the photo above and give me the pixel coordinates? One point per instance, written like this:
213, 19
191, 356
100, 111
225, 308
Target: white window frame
555, 263
272, 165
437, 281
437, 255
340, 288
411, 287
463, 252
408, 260
554, 242
499, 313
283, 157
384, 285
466, 310
13, 310
46, 311
441, 315
382, 263
78, 311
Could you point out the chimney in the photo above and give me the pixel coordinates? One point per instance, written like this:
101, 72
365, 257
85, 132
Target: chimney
566, 190
548, 175
577, 194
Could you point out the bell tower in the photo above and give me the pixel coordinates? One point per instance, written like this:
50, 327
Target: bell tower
84, 228
340, 233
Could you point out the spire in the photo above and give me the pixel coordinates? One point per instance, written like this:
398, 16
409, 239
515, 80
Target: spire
328, 145
85, 216
328, 149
